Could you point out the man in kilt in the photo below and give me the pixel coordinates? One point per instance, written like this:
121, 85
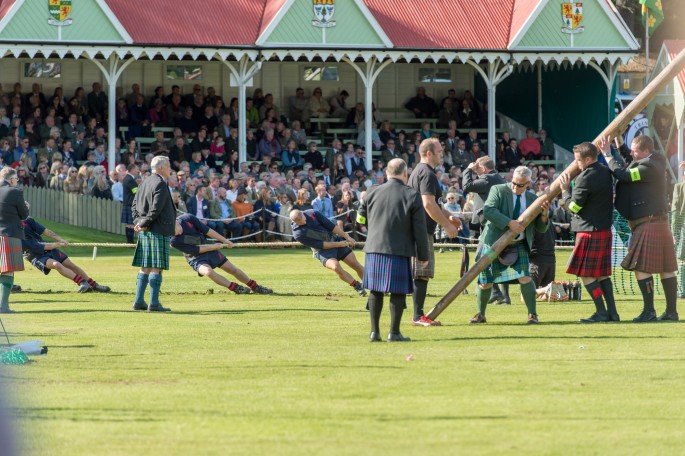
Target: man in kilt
13, 209
203, 257
130, 188
591, 204
425, 182
505, 203
325, 238
154, 215
641, 198
396, 223
47, 256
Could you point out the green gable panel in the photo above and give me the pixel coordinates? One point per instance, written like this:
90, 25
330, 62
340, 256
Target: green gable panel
90, 24
600, 32
352, 27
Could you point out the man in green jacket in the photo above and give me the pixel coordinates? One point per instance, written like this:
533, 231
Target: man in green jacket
505, 204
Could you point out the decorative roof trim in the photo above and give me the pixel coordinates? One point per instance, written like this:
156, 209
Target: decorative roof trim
10, 14
526, 25
114, 20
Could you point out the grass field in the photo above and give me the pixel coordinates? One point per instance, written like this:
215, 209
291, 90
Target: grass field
293, 374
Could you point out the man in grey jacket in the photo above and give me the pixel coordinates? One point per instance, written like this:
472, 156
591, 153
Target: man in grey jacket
396, 220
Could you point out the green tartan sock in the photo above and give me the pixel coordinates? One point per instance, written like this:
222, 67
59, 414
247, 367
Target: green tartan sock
6, 282
528, 292
482, 298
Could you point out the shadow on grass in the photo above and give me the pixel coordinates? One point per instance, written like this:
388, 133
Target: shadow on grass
79, 414
548, 337
247, 311
67, 311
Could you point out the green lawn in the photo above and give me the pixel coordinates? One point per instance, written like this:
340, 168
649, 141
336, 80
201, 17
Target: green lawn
293, 374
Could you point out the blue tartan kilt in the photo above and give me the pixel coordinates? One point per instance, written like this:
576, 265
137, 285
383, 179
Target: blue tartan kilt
127, 215
388, 273
496, 272
152, 251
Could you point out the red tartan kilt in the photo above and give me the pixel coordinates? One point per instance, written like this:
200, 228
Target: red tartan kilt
11, 258
591, 255
651, 249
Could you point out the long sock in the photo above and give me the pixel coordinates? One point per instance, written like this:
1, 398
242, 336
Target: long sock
419, 297
608, 290
375, 308
155, 286
595, 290
681, 278
92, 283
6, 282
482, 298
398, 302
78, 279
129, 235
671, 291
251, 284
647, 290
529, 295
505, 291
495, 289
141, 285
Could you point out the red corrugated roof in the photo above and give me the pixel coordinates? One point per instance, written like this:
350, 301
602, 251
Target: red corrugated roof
674, 47
444, 24
271, 8
521, 13
205, 23
5, 6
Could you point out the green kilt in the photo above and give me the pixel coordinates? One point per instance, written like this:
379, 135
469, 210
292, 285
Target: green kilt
496, 272
152, 251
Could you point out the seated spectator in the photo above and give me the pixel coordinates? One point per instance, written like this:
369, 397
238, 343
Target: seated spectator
265, 216
160, 146
101, 187
530, 146
188, 124
269, 145
72, 183
139, 119
42, 178
302, 202
221, 208
201, 140
158, 114
199, 207
268, 104
291, 156
422, 106
299, 106
447, 113
513, 154
468, 118
356, 162
251, 112
298, 134
338, 106
546, 146
322, 203
313, 156
243, 210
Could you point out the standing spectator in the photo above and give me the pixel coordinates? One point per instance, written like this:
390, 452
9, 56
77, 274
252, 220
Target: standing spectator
13, 210
422, 105
641, 198
322, 203
397, 208
425, 182
97, 103
154, 216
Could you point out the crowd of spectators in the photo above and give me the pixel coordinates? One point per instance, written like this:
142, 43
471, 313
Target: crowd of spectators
61, 143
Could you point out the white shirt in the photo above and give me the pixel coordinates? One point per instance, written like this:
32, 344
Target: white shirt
118, 192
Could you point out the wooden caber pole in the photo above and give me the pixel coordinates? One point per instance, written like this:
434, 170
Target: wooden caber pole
615, 128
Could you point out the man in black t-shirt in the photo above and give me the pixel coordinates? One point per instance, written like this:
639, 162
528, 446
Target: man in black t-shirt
190, 239
424, 181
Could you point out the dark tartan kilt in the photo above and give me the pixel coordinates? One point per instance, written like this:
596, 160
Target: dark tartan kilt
496, 272
591, 255
11, 255
427, 272
127, 215
152, 251
388, 273
651, 249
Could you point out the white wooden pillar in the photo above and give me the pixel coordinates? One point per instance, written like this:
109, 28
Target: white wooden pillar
242, 77
368, 75
112, 74
608, 73
496, 73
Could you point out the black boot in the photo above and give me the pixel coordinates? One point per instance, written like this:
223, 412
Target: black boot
600, 315
608, 290
397, 306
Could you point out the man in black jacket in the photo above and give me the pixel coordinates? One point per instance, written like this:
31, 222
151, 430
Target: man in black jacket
396, 220
641, 198
591, 203
154, 215
130, 188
